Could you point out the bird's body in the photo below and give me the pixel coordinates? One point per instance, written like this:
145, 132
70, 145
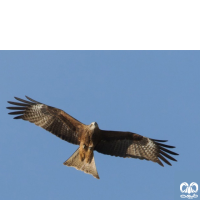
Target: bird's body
90, 137
88, 141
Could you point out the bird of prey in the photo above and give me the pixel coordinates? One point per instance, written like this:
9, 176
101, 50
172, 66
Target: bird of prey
89, 137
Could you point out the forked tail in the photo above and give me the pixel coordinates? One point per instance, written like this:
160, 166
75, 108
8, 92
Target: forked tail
89, 168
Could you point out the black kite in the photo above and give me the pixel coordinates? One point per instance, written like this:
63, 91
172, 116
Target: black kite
90, 137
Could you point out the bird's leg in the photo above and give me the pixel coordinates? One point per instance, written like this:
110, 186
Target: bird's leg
82, 151
89, 154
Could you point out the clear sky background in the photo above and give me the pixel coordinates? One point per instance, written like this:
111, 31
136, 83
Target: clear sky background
152, 93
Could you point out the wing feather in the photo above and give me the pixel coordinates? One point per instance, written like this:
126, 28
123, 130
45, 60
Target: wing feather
132, 145
52, 119
168, 151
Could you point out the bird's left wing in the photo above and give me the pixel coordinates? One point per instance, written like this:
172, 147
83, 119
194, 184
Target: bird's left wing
132, 145
52, 119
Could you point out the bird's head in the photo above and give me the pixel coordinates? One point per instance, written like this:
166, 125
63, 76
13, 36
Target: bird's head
94, 125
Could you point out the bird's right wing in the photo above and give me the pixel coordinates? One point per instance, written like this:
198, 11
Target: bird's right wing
52, 119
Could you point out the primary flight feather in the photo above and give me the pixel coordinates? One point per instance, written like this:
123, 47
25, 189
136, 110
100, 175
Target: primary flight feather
90, 137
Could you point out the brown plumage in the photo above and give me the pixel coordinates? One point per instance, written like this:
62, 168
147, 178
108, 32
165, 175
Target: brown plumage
90, 137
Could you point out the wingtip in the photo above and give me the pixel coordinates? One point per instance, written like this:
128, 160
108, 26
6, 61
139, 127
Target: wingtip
160, 163
176, 154
18, 99
32, 100
159, 140
18, 117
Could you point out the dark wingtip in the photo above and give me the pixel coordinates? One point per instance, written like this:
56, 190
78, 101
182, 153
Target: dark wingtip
16, 113
160, 163
158, 140
18, 104
164, 159
164, 152
164, 145
30, 99
166, 155
18, 117
22, 100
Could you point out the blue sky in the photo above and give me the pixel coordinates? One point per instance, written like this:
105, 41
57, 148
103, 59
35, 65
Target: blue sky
152, 93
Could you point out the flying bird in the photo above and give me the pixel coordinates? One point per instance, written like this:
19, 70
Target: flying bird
90, 138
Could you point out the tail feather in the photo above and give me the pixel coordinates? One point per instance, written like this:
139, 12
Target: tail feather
89, 168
